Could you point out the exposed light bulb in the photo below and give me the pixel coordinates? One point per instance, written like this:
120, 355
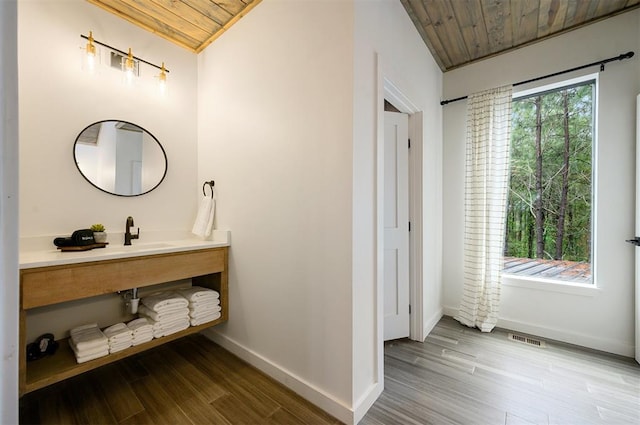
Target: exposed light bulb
90, 50
162, 80
128, 66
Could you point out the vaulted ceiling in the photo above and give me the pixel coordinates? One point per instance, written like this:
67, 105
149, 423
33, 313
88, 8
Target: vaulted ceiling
457, 32
192, 24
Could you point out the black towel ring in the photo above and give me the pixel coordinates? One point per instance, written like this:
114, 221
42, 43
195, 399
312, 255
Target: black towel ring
211, 184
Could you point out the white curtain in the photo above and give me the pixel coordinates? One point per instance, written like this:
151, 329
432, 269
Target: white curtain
486, 189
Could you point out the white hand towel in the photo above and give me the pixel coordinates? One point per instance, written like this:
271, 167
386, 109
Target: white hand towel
198, 293
206, 214
205, 319
164, 301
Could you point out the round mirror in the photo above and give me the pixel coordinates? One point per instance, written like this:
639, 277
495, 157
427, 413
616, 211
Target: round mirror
120, 158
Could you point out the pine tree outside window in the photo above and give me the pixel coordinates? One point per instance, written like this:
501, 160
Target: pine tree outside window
549, 216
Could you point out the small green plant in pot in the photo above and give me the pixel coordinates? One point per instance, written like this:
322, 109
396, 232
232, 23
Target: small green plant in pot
99, 233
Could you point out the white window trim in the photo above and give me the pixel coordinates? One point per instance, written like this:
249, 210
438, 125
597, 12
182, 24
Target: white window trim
556, 285
550, 285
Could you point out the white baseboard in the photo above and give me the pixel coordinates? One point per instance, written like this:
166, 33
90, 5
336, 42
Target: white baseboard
563, 335
305, 389
366, 401
432, 322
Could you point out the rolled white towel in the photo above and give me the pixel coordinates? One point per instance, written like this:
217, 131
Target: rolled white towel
205, 319
164, 301
198, 293
158, 317
197, 313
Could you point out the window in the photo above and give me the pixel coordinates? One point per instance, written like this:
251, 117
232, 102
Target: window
549, 216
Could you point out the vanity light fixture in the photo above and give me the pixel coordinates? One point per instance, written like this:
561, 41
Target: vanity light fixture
129, 64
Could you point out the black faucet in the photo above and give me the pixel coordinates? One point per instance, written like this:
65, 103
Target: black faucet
127, 234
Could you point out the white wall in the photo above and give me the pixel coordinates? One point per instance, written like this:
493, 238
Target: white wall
8, 213
386, 40
274, 132
602, 318
58, 99
287, 128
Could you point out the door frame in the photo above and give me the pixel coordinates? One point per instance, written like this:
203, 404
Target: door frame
386, 88
404, 105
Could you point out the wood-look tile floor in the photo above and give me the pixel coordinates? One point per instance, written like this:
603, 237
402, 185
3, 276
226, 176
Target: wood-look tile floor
462, 376
188, 381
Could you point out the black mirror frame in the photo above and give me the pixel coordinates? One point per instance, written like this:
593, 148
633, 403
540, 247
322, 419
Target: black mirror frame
164, 153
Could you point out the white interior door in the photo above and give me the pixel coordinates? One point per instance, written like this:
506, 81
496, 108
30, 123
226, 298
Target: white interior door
637, 249
396, 225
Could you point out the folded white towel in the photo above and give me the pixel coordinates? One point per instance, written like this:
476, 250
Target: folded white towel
204, 219
119, 347
158, 317
198, 293
203, 304
176, 328
195, 314
87, 351
138, 341
88, 336
118, 341
164, 301
86, 358
205, 319
164, 329
117, 331
138, 323
83, 328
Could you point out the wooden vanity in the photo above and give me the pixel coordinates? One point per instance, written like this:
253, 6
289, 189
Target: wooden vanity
55, 284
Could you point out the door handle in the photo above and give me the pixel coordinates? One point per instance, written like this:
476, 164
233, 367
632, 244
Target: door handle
635, 241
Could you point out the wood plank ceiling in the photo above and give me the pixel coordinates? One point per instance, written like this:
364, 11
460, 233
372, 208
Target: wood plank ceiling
192, 24
457, 32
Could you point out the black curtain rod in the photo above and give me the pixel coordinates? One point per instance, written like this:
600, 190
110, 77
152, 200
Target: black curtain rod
124, 53
601, 63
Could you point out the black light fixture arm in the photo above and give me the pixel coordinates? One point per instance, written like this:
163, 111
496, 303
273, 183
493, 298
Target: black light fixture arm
124, 53
627, 55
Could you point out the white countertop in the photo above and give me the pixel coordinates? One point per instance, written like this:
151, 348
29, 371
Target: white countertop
34, 254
